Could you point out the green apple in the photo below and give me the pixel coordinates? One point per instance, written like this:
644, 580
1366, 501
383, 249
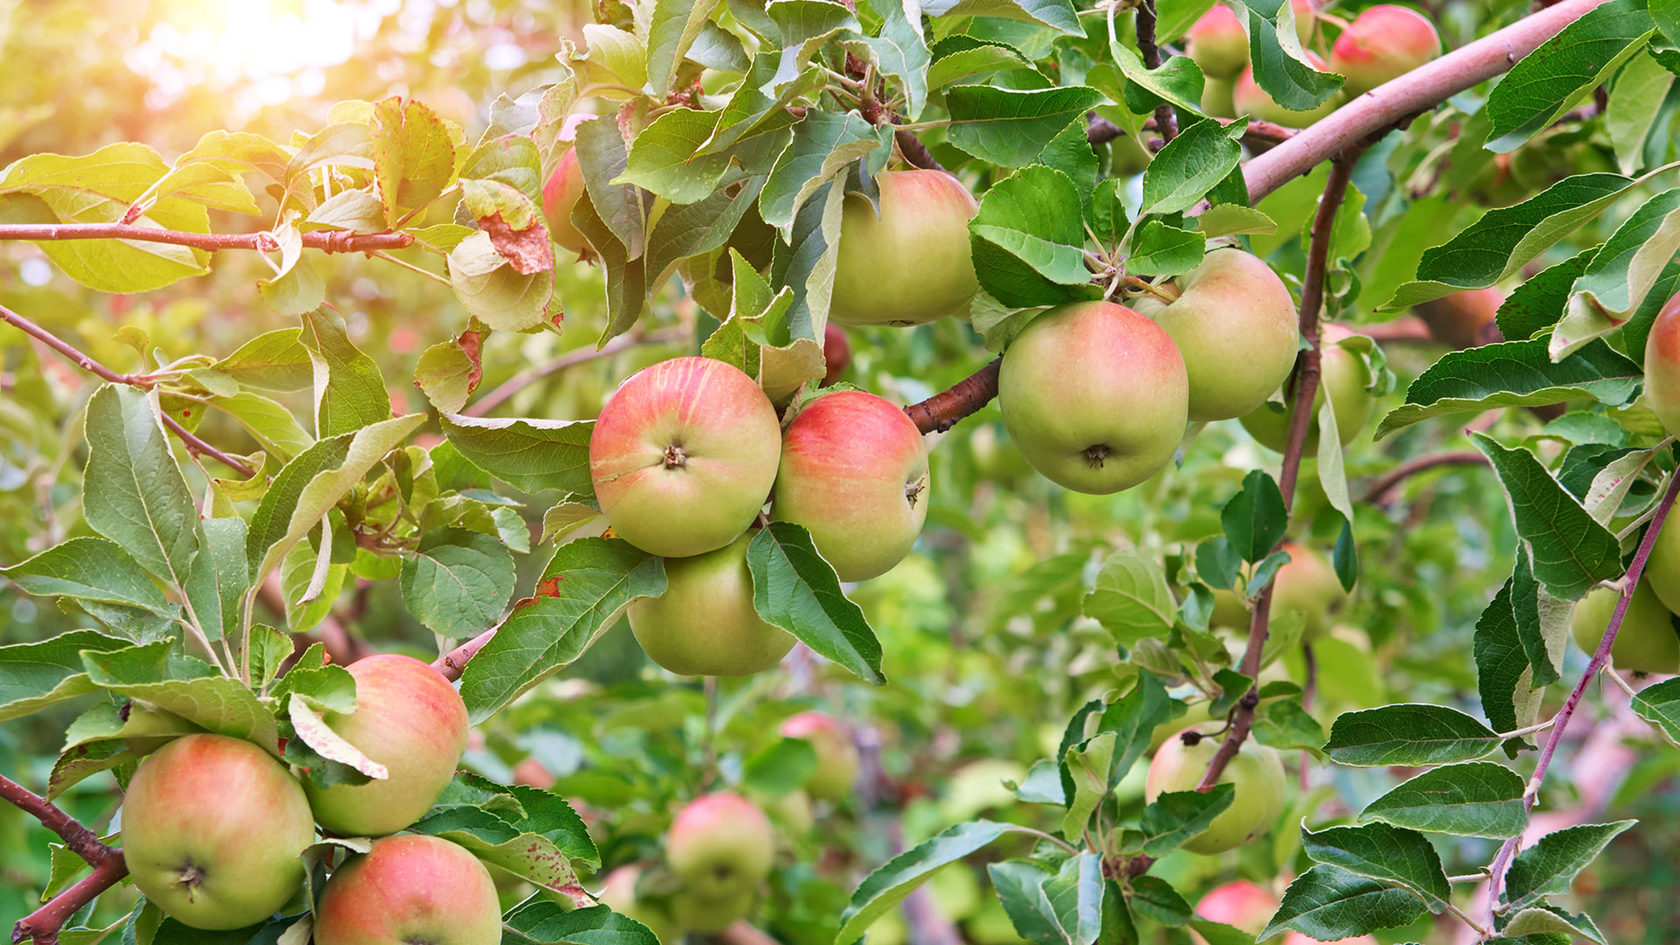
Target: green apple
1256, 773
1382, 43
1307, 585
711, 913
684, 455
1218, 43
837, 757
212, 828
1344, 372
1662, 569
910, 263
1095, 396
854, 471
1218, 98
721, 846
1662, 366
618, 893
704, 624
1230, 611
409, 889
1252, 100
1645, 642
409, 719
1235, 325
1462, 318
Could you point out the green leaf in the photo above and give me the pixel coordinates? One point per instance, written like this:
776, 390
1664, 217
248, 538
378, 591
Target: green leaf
449, 371
626, 275
1177, 816
1636, 99
531, 455
1059, 15
1408, 734
672, 29
782, 766
1549, 80
1568, 549
1130, 597
1281, 69
823, 145
665, 157
219, 578
1621, 274
900, 51
1388, 854
349, 391
41, 673
457, 581
107, 736
1328, 903
1660, 705
186, 687
621, 208
89, 569
1087, 764
273, 360
531, 833
1028, 242
413, 156
899, 877
1550, 865
539, 921
1191, 164
1502, 668
691, 230
493, 290
1011, 126
795, 589
1475, 799
132, 491
1284, 724
1548, 925
1161, 249
1255, 518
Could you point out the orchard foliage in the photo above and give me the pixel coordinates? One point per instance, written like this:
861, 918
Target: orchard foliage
279, 398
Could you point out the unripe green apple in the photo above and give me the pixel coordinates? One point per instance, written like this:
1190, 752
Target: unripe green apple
1235, 325
212, 828
1095, 396
1252, 100
618, 893
559, 195
1245, 905
704, 624
1256, 774
1662, 569
721, 846
1662, 366
1646, 640
409, 719
408, 889
854, 472
1307, 585
1344, 372
1127, 156
709, 914
1217, 98
1462, 318
910, 264
1383, 43
684, 455
837, 758
1217, 43
1230, 611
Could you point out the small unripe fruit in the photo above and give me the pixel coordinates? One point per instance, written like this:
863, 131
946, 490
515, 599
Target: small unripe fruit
212, 828
1662, 366
1307, 585
837, 758
1256, 774
684, 455
854, 471
1645, 642
408, 889
1383, 43
1252, 100
911, 264
1462, 318
559, 195
704, 624
1217, 43
618, 893
710, 914
837, 354
1217, 98
1345, 374
721, 846
1095, 396
1127, 156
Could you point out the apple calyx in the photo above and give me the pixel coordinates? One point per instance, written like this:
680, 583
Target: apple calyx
675, 456
1095, 454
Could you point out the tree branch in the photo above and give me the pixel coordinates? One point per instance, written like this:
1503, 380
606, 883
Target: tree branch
941, 411
915, 151
531, 375
327, 241
42, 926
77, 838
1378, 494
1165, 121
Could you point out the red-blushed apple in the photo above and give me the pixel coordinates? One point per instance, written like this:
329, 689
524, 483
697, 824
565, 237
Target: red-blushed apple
1218, 43
1344, 372
1662, 569
854, 472
720, 845
911, 263
837, 354
1256, 774
618, 893
559, 195
1462, 318
1095, 396
409, 719
1252, 100
1646, 640
1662, 366
837, 757
1242, 904
1235, 325
704, 624
1382, 43
1306, 19
409, 889
684, 455
1307, 585
212, 828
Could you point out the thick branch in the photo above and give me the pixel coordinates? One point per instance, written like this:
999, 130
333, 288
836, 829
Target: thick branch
43, 925
327, 241
941, 411
1380, 490
77, 838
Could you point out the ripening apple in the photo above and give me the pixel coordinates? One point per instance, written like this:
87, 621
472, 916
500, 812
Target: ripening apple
704, 624
1306, 19
1461, 319
721, 846
711, 913
559, 195
1256, 773
1218, 43
1242, 904
1217, 98
212, 828
1662, 366
618, 893
1383, 43
1307, 585
1235, 325
684, 455
409, 719
854, 472
837, 757
407, 889
1645, 642
909, 264
1252, 100
1095, 396
837, 354
1344, 371
1662, 569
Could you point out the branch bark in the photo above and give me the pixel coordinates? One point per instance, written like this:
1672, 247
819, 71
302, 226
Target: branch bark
327, 241
43, 925
531, 375
1166, 122
1378, 494
941, 411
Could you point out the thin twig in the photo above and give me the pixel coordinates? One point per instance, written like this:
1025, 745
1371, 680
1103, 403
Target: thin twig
531, 375
1378, 494
1165, 121
327, 241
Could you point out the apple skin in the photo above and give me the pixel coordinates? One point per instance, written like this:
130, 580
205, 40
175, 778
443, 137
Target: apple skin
1127, 156
1383, 43
212, 828
408, 718
1230, 611
560, 194
1217, 98
1235, 325
1306, 19
1662, 569
684, 455
911, 264
1348, 377
1307, 584
854, 471
704, 624
721, 846
1462, 318
837, 757
1662, 366
1095, 396
1252, 100
618, 893
1645, 643
709, 914
410, 888
1245, 905
1256, 772
837, 354
1218, 43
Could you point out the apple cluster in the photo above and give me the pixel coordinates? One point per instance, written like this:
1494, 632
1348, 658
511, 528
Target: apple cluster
213, 826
